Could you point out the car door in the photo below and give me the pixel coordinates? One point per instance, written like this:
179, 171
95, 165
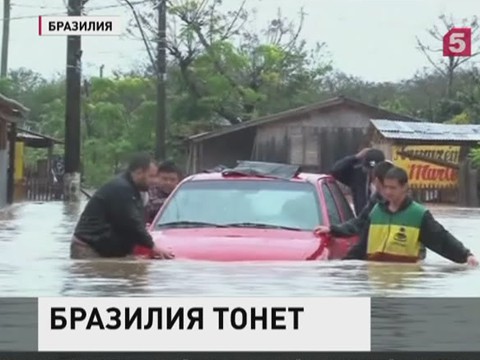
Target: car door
345, 209
338, 212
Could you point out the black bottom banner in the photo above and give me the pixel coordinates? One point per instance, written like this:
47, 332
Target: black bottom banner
242, 356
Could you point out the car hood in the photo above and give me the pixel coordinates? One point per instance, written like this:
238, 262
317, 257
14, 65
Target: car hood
234, 244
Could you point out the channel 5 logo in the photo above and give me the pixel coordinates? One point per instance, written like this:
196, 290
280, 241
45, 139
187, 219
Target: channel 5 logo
457, 42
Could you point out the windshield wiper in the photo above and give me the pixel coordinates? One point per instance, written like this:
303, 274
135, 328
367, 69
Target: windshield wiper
174, 224
261, 226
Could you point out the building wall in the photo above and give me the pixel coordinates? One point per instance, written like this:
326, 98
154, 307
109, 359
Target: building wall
379, 142
224, 150
3, 177
315, 141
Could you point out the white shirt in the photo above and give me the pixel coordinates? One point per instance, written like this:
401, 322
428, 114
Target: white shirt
145, 197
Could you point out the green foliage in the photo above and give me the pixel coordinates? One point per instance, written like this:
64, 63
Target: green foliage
475, 155
463, 118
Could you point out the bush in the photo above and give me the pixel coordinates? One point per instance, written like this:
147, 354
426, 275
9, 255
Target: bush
475, 155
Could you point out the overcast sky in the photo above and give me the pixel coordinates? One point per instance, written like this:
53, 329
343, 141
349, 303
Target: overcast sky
373, 39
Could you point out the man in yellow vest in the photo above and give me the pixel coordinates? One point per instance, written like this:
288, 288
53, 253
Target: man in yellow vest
399, 228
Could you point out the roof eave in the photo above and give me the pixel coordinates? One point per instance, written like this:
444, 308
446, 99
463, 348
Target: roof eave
444, 140
14, 105
339, 100
39, 136
11, 119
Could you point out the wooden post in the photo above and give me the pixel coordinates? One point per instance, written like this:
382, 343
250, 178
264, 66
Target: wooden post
3, 159
49, 158
73, 109
201, 161
12, 138
472, 185
462, 188
3, 134
49, 169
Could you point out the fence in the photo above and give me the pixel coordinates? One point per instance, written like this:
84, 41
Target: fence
434, 195
40, 184
43, 189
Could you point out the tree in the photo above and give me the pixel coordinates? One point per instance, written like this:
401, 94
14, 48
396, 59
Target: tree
447, 67
235, 74
475, 155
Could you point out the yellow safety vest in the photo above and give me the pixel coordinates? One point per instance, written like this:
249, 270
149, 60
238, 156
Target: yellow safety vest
395, 237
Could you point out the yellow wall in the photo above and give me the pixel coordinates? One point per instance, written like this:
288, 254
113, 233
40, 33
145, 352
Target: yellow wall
19, 160
422, 174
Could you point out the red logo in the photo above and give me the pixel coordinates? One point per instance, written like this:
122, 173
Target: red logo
458, 42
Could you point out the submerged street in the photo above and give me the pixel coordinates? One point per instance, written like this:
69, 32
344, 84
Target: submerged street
35, 238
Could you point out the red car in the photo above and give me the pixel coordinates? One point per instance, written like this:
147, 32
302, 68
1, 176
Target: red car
252, 216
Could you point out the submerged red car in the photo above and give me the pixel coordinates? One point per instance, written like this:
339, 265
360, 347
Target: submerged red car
247, 214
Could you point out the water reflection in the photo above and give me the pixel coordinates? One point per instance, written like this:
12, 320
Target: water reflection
393, 277
105, 278
425, 324
72, 209
34, 248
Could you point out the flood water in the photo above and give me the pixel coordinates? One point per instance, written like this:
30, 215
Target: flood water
34, 261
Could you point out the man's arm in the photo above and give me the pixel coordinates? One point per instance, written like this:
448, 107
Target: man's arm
128, 218
351, 227
343, 169
346, 229
359, 250
354, 226
436, 238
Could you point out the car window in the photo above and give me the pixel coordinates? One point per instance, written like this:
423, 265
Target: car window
343, 204
271, 202
333, 213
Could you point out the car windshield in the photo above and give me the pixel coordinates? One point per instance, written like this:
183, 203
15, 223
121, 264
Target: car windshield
247, 203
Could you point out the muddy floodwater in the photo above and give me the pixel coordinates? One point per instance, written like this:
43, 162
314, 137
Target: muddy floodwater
34, 261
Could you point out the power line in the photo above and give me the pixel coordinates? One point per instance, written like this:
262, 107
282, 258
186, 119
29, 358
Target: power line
32, 16
37, 6
64, 13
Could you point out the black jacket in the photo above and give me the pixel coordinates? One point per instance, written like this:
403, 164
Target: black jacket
113, 221
355, 226
349, 172
433, 236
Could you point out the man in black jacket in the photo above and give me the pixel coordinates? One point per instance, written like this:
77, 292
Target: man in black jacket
113, 221
399, 229
355, 172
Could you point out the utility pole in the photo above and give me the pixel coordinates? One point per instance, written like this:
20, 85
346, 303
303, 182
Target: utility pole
5, 38
73, 109
160, 148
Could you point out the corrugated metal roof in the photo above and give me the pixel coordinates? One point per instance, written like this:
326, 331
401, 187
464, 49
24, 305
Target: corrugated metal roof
27, 134
426, 131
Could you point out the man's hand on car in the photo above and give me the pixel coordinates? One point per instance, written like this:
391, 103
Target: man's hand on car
321, 230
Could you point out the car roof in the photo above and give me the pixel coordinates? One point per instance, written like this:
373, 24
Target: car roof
301, 177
